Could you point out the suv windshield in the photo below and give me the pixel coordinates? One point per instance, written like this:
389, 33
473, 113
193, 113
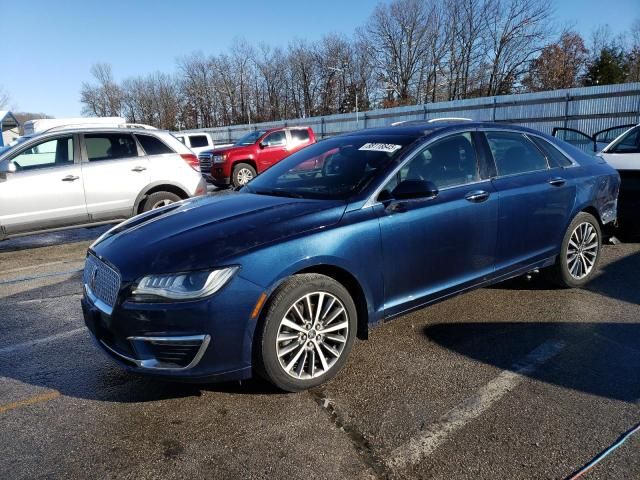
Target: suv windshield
334, 169
250, 138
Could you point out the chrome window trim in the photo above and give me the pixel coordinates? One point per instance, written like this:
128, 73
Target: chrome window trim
553, 145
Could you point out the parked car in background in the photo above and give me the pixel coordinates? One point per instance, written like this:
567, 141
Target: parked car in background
620, 147
65, 178
198, 142
238, 164
279, 278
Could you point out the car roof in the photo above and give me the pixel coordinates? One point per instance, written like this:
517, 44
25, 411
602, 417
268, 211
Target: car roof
423, 128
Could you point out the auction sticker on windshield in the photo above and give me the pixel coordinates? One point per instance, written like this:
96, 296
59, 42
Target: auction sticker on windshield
380, 147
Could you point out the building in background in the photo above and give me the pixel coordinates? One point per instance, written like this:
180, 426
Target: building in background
9, 126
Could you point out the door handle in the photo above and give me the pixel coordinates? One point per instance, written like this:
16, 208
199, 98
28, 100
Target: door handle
477, 196
70, 178
557, 181
138, 169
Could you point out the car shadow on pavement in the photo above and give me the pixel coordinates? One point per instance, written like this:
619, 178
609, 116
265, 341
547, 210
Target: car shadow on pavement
53, 238
596, 358
617, 280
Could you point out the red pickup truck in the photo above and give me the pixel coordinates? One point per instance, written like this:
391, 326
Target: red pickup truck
252, 154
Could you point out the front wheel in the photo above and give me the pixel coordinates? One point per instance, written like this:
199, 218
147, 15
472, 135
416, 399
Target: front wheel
306, 332
580, 252
242, 174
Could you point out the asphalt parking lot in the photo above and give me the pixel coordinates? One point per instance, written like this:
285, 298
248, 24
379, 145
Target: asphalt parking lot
520, 380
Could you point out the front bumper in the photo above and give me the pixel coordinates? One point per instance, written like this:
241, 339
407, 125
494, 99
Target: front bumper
205, 340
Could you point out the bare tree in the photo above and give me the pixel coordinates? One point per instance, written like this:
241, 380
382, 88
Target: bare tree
104, 98
515, 31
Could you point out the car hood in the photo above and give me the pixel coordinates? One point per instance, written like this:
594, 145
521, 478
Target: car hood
204, 232
248, 149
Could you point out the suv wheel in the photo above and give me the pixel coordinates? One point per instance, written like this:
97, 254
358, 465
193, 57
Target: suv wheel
159, 199
306, 332
580, 252
242, 174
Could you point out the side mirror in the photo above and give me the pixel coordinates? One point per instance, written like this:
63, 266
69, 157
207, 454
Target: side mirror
262, 145
7, 167
413, 189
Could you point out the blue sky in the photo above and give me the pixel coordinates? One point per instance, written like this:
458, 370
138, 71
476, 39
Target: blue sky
49, 46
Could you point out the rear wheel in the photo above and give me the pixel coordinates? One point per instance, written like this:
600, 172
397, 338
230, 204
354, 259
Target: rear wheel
580, 252
306, 332
159, 199
242, 174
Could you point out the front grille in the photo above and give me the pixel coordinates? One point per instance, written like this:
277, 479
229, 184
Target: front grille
101, 279
206, 160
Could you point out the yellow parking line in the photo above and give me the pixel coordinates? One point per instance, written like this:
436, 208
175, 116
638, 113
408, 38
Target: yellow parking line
29, 401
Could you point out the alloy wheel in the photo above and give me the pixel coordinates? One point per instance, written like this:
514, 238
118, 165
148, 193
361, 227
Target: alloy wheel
244, 176
582, 250
312, 335
161, 203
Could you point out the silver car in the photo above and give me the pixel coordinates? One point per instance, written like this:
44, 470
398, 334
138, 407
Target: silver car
66, 178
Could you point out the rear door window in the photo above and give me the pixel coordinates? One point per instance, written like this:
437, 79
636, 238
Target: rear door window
299, 135
153, 146
514, 153
198, 141
109, 146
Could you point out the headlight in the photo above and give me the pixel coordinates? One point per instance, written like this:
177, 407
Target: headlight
219, 158
184, 286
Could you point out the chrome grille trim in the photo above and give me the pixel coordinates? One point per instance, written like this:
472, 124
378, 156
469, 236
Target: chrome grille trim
101, 282
206, 161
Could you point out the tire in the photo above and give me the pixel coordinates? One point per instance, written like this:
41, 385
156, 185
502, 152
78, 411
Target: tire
159, 199
307, 360
576, 273
242, 174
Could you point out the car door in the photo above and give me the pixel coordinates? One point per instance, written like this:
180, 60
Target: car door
115, 172
273, 148
624, 155
432, 247
535, 201
578, 139
46, 190
604, 137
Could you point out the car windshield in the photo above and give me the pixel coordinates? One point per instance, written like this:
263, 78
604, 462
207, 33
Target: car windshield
334, 169
250, 138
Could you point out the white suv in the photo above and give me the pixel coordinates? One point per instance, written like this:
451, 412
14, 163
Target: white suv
66, 178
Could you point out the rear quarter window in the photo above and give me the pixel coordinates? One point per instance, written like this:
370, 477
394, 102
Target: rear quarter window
153, 146
555, 156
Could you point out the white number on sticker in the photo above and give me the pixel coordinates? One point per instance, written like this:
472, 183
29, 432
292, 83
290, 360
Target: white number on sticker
380, 147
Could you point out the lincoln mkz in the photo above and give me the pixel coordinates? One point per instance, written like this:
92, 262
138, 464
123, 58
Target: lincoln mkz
279, 278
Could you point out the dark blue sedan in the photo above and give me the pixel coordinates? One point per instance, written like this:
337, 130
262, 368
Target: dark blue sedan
279, 278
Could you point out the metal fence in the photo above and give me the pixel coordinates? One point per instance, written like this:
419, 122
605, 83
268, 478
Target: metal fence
588, 109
